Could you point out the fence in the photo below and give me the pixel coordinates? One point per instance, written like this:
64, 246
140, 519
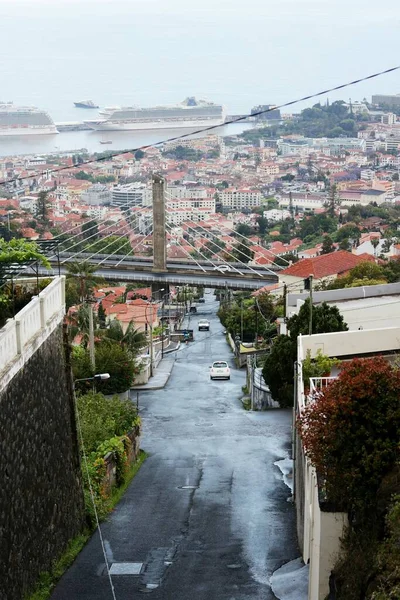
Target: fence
31, 320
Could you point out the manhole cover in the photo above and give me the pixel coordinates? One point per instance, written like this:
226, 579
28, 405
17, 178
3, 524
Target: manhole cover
188, 487
126, 568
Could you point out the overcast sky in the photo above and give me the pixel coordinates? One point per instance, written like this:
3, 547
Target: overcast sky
233, 51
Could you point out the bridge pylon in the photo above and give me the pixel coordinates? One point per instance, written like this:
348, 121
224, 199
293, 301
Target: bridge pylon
159, 234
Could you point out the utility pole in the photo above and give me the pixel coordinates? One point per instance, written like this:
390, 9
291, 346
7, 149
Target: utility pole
91, 338
284, 300
311, 304
241, 320
151, 342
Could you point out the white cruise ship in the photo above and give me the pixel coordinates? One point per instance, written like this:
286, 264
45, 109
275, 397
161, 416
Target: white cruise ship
24, 120
191, 114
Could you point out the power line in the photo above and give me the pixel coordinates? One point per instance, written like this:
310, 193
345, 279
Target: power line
205, 129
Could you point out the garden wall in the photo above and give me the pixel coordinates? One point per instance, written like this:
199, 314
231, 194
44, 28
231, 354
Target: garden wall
111, 465
41, 499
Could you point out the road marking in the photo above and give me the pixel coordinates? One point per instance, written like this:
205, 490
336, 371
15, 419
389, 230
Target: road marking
126, 568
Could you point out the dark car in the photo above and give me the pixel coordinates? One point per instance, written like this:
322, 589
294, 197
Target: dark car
193, 309
201, 300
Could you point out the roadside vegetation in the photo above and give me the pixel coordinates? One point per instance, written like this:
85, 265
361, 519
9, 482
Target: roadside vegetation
278, 367
104, 424
351, 434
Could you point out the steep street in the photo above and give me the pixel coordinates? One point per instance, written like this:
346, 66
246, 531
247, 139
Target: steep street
208, 513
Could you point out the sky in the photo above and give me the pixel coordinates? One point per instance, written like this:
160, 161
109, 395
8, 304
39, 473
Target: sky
240, 53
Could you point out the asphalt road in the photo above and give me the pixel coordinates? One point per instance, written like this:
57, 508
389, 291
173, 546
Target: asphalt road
208, 513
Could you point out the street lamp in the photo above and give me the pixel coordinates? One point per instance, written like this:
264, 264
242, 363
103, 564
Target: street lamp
97, 377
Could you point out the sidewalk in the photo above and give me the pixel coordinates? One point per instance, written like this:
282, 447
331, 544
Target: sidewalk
160, 377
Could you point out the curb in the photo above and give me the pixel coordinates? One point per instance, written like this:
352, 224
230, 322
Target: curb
144, 388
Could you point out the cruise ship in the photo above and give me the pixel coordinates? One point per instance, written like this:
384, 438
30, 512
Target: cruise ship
191, 114
24, 120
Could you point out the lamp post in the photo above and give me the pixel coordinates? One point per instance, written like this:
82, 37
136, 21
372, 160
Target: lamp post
97, 377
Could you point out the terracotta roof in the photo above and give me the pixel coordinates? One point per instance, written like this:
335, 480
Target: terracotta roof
334, 263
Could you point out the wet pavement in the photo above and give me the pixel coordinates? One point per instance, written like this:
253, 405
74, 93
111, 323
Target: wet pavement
208, 513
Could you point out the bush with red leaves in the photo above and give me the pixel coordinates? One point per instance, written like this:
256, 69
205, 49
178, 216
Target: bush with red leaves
351, 433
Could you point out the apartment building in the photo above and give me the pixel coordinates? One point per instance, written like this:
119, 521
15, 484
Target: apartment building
302, 201
132, 194
237, 199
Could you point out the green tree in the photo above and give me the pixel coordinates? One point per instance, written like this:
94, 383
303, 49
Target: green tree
41, 207
20, 251
325, 319
113, 244
262, 223
279, 364
139, 154
110, 358
327, 245
102, 316
244, 229
84, 273
90, 229
132, 340
243, 252
278, 370
365, 273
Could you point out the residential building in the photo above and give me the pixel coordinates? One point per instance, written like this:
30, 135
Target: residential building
389, 100
326, 267
132, 194
237, 199
276, 215
98, 194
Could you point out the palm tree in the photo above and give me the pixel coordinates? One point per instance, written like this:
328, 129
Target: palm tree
79, 323
132, 340
83, 271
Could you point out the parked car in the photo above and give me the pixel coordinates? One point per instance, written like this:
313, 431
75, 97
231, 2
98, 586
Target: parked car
201, 300
204, 325
220, 370
193, 310
222, 268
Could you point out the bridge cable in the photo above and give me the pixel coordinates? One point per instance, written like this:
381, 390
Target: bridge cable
235, 257
248, 240
230, 254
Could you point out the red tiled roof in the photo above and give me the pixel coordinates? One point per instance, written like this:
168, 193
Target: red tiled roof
334, 263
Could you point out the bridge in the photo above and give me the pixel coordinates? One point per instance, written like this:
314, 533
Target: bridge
159, 270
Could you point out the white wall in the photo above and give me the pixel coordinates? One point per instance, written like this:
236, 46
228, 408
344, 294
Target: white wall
21, 336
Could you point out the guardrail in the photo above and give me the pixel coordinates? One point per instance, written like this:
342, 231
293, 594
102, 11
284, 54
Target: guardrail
29, 321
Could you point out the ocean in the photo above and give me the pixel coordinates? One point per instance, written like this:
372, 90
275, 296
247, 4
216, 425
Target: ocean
149, 52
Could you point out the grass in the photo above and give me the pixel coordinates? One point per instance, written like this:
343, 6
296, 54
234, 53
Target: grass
47, 581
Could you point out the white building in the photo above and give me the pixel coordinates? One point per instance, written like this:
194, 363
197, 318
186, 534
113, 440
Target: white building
180, 191
304, 202
237, 199
276, 215
96, 195
132, 194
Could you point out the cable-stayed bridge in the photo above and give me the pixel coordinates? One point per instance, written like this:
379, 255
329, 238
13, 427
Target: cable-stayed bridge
196, 268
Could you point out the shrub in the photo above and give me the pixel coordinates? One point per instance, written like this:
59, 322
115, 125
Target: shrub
103, 418
351, 433
110, 358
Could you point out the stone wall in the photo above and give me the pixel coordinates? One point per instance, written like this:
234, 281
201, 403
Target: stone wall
41, 500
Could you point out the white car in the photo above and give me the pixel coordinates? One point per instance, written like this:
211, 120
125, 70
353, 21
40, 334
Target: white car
222, 268
204, 325
220, 370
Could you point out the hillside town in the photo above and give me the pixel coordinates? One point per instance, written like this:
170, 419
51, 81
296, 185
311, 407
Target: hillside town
294, 197
304, 419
